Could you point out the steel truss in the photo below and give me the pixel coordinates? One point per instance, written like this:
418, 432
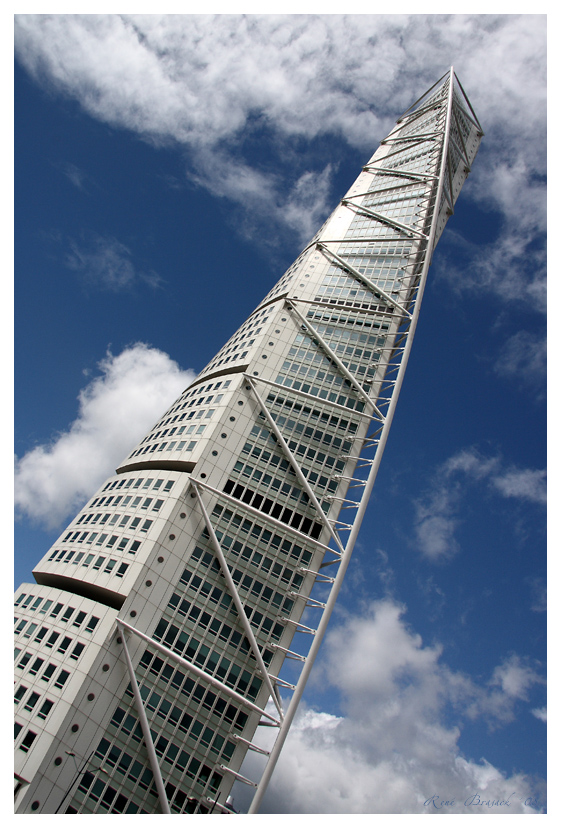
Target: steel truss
379, 411
398, 360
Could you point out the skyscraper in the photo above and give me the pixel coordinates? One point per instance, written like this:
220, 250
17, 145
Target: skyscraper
187, 600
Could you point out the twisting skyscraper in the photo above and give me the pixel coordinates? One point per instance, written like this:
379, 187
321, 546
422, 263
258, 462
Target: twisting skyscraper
195, 586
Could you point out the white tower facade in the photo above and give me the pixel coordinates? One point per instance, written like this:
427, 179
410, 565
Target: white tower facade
187, 600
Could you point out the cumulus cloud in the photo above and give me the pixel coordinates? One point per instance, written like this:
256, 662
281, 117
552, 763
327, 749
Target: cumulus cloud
395, 745
514, 678
105, 263
437, 512
209, 83
302, 74
116, 408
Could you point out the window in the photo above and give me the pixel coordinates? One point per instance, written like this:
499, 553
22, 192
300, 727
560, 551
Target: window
92, 623
65, 643
62, 678
45, 709
36, 666
79, 618
20, 693
23, 661
109, 796
119, 804
32, 701
49, 670
77, 651
67, 613
28, 740
52, 638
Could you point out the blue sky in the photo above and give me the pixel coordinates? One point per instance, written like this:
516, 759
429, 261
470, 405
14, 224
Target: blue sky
168, 170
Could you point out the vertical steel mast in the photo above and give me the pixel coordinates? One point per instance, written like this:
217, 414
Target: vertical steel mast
184, 606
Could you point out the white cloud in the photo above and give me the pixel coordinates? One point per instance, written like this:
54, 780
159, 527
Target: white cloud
115, 410
396, 743
470, 463
105, 263
199, 78
260, 195
436, 521
523, 356
508, 685
307, 203
513, 267
514, 678
538, 591
210, 82
75, 175
540, 713
437, 512
526, 484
